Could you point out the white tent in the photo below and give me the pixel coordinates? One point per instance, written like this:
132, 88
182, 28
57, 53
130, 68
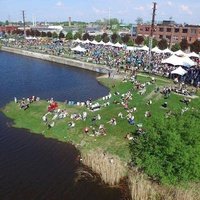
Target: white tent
78, 49
193, 54
102, 42
78, 40
167, 51
181, 61
180, 71
109, 44
94, 42
180, 53
156, 50
130, 48
86, 41
118, 45
144, 48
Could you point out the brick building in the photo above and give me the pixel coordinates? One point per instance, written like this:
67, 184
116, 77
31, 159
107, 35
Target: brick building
171, 31
8, 28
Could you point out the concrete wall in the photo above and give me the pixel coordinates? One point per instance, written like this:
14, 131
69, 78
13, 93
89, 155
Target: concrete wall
56, 59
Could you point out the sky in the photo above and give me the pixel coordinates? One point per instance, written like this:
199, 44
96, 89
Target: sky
127, 11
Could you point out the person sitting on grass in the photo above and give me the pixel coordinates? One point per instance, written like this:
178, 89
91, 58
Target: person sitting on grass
147, 113
128, 136
71, 124
112, 121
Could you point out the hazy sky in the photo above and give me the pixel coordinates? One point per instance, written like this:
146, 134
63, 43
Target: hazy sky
90, 10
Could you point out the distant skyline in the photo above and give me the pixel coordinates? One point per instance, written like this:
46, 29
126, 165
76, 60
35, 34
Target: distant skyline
181, 11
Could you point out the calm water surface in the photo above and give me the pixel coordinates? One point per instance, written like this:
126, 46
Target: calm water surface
32, 167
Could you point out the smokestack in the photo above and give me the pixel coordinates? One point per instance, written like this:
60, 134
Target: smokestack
70, 21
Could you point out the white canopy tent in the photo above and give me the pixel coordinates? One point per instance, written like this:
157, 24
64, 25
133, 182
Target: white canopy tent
180, 53
167, 51
144, 48
193, 54
78, 40
156, 50
102, 42
180, 71
94, 42
130, 48
109, 44
78, 49
118, 45
181, 61
86, 41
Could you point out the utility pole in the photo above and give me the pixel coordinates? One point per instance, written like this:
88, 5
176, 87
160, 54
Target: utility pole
24, 23
152, 30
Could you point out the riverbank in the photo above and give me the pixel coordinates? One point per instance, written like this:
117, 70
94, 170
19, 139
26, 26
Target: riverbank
107, 154
58, 59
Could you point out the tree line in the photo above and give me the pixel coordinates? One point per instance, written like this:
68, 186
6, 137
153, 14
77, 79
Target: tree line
115, 37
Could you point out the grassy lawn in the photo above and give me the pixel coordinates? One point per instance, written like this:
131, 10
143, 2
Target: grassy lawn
113, 142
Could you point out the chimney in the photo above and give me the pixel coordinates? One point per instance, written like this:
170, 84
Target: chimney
70, 21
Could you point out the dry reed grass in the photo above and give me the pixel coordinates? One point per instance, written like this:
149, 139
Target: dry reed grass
110, 168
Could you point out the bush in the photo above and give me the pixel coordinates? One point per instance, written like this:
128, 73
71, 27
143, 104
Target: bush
169, 150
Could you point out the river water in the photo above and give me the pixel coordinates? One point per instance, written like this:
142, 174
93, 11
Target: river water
33, 167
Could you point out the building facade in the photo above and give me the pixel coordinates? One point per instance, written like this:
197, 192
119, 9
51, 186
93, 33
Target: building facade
173, 33
8, 28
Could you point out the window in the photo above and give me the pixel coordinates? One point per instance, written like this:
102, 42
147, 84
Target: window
161, 36
161, 29
176, 30
193, 31
168, 37
169, 29
147, 28
185, 30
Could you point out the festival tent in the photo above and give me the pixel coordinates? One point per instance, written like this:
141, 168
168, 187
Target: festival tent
167, 51
144, 48
180, 53
94, 42
118, 45
156, 50
78, 40
180, 71
102, 42
109, 44
78, 49
181, 61
86, 41
193, 54
130, 48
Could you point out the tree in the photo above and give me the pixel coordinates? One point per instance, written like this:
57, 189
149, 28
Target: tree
176, 47
139, 40
162, 44
49, 34
98, 38
43, 34
184, 44
130, 42
69, 35
54, 35
61, 35
105, 37
125, 38
154, 42
195, 46
77, 35
86, 36
139, 20
168, 150
114, 37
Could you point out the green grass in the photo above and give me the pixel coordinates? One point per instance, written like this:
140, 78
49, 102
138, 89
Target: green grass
114, 142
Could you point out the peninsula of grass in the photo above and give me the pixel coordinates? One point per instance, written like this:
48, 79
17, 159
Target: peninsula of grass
114, 143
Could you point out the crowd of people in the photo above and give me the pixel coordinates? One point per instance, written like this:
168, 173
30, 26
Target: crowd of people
118, 58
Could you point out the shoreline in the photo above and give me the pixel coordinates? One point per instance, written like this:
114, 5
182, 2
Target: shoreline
61, 60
